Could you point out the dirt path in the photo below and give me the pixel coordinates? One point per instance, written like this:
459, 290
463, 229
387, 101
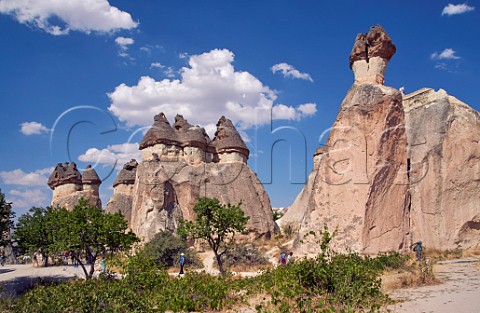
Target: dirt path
459, 292
15, 278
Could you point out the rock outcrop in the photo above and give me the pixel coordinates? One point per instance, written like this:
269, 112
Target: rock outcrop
122, 198
69, 186
359, 182
181, 163
444, 159
394, 170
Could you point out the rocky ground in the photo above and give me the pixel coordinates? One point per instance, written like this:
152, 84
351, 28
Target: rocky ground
459, 291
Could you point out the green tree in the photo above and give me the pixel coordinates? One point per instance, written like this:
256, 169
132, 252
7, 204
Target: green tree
6, 220
87, 230
217, 224
33, 232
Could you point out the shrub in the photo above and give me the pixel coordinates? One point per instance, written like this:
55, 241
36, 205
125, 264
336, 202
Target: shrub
165, 249
244, 257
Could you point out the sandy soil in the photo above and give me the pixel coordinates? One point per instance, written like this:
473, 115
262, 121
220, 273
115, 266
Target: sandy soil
459, 292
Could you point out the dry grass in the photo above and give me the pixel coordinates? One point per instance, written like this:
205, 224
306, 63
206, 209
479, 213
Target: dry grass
440, 255
411, 275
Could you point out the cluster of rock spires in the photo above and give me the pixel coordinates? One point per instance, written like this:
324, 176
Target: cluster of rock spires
180, 164
69, 185
395, 169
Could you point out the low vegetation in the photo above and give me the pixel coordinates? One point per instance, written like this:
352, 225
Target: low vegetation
244, 258
328, 283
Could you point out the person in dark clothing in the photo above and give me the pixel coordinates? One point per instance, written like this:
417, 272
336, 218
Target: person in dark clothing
418, 249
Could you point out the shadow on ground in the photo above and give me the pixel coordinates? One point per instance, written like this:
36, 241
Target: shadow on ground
20, 285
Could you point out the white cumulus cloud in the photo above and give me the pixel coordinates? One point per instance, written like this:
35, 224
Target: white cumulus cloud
207, 89
111, 155
33, 128
27, 198
19, 177
289, 71
75, 15
454, 9
308, 109
156, 65
124, 42
447, 54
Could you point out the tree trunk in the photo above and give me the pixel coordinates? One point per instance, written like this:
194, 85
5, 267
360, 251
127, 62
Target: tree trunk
83, 267
219, 263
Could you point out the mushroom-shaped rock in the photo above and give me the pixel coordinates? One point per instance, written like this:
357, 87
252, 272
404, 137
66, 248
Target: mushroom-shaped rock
127, 174
189, 135
370, 55
90, 176
227, 139
55, 178
160, 132
72, 175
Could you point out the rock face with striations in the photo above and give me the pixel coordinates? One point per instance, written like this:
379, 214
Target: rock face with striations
69, 186
359, 183
444, 157
181, 163
122, 198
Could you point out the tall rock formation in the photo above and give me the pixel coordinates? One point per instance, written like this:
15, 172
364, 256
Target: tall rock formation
444, 157
69, 185
181, 163
359, 184
122, 198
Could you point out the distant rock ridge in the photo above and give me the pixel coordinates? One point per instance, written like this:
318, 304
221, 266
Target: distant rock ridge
393, 170
69, 185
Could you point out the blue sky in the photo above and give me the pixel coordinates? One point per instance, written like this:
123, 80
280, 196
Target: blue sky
80, 79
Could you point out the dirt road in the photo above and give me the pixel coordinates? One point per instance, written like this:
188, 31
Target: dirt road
459, 292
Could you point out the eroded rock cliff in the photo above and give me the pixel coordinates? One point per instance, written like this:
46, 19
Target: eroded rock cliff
444, 156
360, 184
122, 197
181, 163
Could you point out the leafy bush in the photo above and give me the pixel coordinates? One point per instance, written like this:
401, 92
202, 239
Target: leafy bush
390, 261
165, 249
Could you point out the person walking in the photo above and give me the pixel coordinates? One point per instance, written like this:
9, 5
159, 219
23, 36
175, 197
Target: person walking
283, 258
289, 257
35, 259
182, 263
103, 264
418, 249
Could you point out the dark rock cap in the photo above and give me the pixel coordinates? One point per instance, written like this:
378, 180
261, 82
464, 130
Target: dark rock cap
189, 135
90, 176
228, 138
64, 174
375, 43
160, 132
127, 174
